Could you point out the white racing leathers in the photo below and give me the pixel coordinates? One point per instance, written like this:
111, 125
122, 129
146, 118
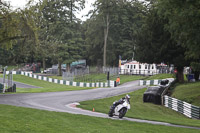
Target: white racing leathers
120, 110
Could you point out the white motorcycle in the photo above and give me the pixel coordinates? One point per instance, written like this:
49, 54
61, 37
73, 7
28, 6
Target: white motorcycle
120, 110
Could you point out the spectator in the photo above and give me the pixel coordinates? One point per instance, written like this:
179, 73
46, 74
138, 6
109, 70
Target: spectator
118, 81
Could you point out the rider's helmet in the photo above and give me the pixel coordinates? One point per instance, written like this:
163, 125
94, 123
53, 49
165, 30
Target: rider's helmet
127, 97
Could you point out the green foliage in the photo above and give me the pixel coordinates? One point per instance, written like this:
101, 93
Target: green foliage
183, 30
195, 66
122, 30
154, 43
160, 31
16, 25
17, 30
9, 26
60, 31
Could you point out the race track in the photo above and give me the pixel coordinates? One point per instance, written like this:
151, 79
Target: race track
63, 101
20, 85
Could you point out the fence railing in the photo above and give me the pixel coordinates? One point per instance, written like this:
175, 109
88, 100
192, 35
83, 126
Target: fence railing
150, 82
141, 72
155, 81
82, 74
64, 82
185, 108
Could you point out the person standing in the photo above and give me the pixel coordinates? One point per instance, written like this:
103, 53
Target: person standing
118, 81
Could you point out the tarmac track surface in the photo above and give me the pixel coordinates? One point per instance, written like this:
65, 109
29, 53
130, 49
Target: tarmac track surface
65, 101
20, 85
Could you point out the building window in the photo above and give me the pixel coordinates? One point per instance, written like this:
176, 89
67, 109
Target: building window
145, 66
134, 66
152, 67
127, 66
139, 66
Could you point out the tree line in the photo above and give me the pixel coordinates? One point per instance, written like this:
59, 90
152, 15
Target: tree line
151, 31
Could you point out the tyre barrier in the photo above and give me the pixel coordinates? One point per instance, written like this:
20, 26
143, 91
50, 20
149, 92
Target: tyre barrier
154, 82
182, 107
64, 82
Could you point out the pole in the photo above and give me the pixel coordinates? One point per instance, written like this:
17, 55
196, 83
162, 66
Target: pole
108, 76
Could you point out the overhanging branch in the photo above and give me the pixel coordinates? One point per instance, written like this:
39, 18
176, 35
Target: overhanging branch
12, 38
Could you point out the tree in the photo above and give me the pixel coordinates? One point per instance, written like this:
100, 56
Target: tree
17, 29
104, 8
128, 20
59, 31
184, 19
109, 39
155, 44
15, 25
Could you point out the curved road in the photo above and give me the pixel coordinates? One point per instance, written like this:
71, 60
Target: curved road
20, 85
62, 101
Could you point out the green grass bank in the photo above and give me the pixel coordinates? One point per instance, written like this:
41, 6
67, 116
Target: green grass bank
26, 120
103, 78
45, 86
189, 92
142, 110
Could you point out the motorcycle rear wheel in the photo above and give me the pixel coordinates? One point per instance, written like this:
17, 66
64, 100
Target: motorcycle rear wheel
122, 112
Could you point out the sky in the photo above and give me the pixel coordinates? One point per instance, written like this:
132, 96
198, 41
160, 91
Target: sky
21, 3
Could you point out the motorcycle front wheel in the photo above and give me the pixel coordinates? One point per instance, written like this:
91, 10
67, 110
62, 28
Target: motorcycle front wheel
110, 113
122, 112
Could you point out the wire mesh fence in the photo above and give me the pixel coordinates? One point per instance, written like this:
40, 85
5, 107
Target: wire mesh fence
143, 72
10, 79
8, 84
91, 74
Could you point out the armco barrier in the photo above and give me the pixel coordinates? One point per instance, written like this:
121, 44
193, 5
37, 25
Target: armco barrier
64, 82
187, 109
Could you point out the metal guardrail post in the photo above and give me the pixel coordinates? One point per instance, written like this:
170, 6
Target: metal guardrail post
164, 92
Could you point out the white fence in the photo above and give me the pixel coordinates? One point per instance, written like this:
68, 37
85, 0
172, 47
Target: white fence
155, 81
64, 82
141, 72
187, 109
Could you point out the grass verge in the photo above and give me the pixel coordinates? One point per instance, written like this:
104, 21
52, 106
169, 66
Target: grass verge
45, 86
23, 120
189, 92
128, 78
103, 78
161, 76
142, 110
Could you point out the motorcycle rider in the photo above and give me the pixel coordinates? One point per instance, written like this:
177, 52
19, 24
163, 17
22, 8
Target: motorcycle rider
121, 101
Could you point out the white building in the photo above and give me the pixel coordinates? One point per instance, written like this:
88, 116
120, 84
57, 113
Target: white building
135, 67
